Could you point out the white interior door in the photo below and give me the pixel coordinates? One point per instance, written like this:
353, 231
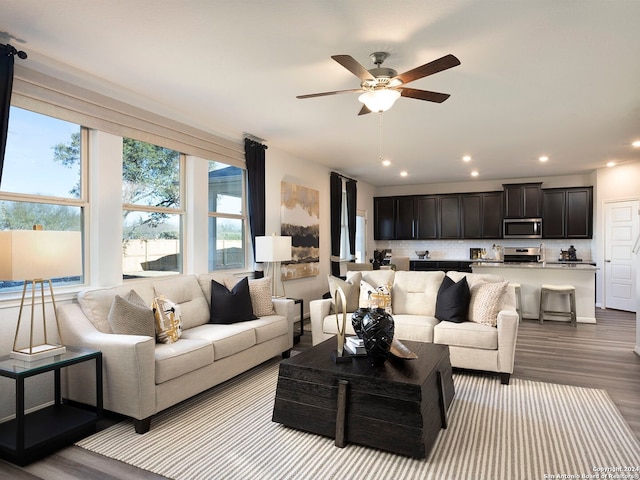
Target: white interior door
621, 230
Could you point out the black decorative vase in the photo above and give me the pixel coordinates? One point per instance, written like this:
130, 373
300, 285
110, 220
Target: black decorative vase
377, 332
356, 320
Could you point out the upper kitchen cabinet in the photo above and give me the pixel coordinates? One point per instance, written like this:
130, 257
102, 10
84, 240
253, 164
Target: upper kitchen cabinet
567, 212
384, 218
426, 217
405, 228
481, 215
450, 224
522, 200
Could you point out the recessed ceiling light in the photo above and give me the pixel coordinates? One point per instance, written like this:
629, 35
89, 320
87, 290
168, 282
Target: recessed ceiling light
611, 164
403, 173
386, 163
543, 158
636, 143
466, 158
474, 173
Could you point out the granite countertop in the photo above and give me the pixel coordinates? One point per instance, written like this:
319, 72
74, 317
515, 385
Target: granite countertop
545, 265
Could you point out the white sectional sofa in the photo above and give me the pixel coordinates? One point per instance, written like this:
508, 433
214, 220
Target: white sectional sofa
142, 377
472, 345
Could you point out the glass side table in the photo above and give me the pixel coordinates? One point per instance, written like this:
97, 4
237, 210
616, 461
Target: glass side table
36, 434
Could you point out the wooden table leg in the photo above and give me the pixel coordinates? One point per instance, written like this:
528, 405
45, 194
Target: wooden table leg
341, 414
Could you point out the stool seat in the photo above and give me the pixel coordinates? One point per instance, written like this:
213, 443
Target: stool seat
558, 288
552, 289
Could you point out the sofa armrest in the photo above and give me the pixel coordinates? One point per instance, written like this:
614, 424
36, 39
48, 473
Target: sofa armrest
318, 310
128, 365
508, 322
286, 308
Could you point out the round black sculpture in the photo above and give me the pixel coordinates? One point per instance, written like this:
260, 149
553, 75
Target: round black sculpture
377, 332
356, 320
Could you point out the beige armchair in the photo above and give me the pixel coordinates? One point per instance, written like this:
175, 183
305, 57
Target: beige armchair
359, 267
401, 263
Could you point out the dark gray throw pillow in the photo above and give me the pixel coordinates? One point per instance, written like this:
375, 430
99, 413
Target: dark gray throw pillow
452, 303
231, 306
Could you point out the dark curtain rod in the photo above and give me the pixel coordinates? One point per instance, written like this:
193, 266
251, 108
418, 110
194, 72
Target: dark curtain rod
344, 176
11, 50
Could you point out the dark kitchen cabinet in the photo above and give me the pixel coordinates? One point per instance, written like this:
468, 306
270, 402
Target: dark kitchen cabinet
383, 218
579, 212
553, 213
481, 215
439, 265
404, 218
471, 204
522, 200
450, 217
567, 212
426, 217
492, 204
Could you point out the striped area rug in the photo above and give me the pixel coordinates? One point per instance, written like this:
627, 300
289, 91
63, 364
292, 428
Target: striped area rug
527, 430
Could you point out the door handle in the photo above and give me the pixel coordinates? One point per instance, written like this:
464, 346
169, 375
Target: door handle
607, 261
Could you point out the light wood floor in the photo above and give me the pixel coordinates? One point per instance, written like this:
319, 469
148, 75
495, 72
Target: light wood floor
595, 356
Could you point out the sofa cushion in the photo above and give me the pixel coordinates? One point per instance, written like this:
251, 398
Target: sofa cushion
466, 334
415, 293
226, 339
168, 320
350, 287
175, 359
418, 328
130, 315
96, 303
269, 327
486, 302
452, 304
407, 327
231, 306
204, 280
186, 292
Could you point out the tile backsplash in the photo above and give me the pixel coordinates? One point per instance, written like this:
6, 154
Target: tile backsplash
459, 249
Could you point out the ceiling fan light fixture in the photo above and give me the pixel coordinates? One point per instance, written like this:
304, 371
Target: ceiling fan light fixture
379, 100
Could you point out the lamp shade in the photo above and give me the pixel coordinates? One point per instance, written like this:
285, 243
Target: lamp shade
35, 254
379, 100
273, 249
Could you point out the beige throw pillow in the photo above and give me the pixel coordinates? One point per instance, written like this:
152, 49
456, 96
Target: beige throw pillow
351, 289
168, 320
260, 293
129, 315
486, 302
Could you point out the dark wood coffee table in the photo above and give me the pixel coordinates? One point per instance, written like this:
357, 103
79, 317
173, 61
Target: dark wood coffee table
399, 407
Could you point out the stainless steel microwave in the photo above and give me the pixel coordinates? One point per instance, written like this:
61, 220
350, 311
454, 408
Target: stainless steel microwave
522, 228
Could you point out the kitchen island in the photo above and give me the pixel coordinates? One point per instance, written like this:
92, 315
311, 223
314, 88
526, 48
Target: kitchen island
531, 275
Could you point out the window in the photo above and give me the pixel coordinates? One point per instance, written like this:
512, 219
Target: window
43, 181
152, 212
227, 220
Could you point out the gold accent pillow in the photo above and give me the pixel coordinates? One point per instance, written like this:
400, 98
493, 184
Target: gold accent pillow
168, 320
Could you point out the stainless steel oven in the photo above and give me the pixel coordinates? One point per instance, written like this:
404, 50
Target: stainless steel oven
522, 228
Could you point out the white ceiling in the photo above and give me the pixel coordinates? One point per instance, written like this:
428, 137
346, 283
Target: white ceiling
559, 78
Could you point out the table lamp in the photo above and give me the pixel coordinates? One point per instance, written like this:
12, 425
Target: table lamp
273, 250
35, 257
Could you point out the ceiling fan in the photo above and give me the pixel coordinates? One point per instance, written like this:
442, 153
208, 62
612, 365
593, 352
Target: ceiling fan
382, 86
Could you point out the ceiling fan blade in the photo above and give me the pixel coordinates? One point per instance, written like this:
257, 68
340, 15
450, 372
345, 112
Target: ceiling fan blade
448, 61
364, 110
348, 62
323, 94
424, 95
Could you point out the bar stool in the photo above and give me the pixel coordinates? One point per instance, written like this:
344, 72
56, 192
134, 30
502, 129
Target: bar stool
569, 290
517, 288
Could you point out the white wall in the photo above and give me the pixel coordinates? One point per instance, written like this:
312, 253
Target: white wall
281, 166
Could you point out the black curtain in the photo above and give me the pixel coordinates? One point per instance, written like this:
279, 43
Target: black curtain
352, 192
254, 153
336, 214
7, 53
